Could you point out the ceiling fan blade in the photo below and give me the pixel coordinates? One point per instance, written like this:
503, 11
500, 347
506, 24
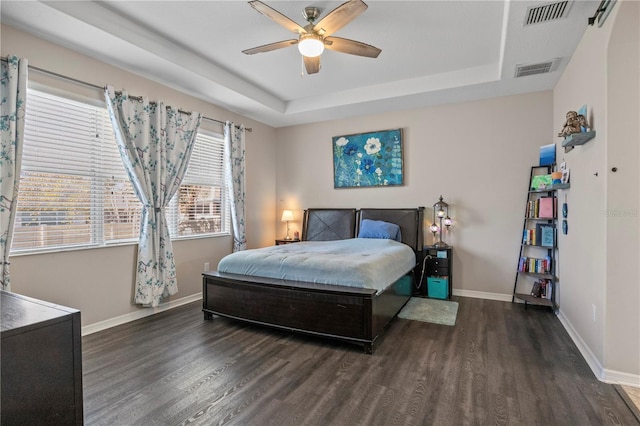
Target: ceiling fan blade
312, 65
269, 47
339, 17
351, 47
277, 17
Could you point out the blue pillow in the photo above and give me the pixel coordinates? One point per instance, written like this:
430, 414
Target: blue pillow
379, 229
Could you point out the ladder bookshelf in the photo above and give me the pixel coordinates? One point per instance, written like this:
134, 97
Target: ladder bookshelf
536, 280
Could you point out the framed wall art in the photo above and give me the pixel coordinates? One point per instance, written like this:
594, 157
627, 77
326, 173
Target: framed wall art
368, 159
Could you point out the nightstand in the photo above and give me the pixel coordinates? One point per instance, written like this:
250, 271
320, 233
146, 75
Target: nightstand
438, 272
280, 242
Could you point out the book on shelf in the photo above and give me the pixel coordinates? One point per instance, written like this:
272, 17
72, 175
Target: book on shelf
529, 237
535, 265
547, 207
542, 289
541, 182
546, 233
542, 208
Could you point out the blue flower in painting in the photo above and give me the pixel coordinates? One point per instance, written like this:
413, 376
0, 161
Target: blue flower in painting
350, 149
342, 141
367, 166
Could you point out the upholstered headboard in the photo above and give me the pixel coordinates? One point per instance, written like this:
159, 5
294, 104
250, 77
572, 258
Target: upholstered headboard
410, 222
328, 224
339, 224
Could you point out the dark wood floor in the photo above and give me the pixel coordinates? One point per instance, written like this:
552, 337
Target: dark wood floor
500, 364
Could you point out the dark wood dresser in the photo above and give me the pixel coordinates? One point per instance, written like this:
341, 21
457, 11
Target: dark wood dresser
41, 363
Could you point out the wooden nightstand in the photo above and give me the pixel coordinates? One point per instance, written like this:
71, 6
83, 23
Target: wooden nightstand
280, 242
438, 271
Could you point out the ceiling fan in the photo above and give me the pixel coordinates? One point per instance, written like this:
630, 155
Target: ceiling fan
314, 38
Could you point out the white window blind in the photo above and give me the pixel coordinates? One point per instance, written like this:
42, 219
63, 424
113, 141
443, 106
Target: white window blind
74, 191
200, 204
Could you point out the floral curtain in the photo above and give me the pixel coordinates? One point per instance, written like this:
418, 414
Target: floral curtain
13, 94
155, 144
234, 155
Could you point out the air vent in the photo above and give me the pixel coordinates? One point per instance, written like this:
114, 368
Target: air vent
533, 69
546, 13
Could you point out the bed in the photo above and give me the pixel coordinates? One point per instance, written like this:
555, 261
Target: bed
338, 310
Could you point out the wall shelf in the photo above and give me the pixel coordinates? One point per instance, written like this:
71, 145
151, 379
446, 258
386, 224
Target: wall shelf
551, 188
527, 298
560, 186
577, 139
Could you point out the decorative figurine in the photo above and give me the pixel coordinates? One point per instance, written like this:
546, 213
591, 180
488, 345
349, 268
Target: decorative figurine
584, 124
572, 125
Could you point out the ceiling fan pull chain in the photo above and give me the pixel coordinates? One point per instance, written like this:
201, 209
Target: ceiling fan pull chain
301, 66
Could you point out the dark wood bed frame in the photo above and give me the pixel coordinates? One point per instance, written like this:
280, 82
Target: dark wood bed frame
355, 315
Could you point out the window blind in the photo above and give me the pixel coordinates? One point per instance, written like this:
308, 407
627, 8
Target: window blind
70, 171
75, 193
200, 205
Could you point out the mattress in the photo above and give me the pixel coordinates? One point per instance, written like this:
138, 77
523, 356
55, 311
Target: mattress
356, 262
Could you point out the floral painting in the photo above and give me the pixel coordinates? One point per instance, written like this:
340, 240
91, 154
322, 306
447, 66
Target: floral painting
368, 159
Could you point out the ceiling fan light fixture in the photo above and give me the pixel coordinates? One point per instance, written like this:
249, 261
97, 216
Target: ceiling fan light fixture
311, 45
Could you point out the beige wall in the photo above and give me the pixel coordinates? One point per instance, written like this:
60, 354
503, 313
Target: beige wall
477, 155
99, 282
582, 250
599, 256
622, 328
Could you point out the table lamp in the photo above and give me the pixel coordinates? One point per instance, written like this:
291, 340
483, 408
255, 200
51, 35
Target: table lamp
287, 216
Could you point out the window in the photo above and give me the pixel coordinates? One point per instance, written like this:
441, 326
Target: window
199, 206
74, 191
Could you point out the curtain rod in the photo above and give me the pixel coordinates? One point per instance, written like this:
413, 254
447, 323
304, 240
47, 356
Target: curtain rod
101, 88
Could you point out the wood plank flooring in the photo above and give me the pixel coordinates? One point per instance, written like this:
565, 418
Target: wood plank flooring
634, 395
631, 396
500, 364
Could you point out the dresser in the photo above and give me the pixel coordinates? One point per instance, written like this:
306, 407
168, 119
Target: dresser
41, 362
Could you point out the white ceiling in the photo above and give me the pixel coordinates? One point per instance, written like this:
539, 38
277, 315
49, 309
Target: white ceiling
433, 52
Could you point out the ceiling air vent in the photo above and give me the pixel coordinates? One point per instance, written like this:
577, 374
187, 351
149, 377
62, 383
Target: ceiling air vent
533, 69
546, 13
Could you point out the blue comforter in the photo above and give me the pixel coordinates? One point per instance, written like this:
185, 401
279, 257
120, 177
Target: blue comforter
357, 262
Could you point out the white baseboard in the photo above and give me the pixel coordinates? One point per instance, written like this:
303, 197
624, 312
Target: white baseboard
622, 378
601, 373
587, 354
483, 295
141, 313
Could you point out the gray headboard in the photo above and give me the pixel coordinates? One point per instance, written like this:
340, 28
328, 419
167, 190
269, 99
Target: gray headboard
339, 224
328, 224
410, 222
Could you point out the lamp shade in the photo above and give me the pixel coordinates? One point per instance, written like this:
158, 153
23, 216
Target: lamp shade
310, 45
287, 215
